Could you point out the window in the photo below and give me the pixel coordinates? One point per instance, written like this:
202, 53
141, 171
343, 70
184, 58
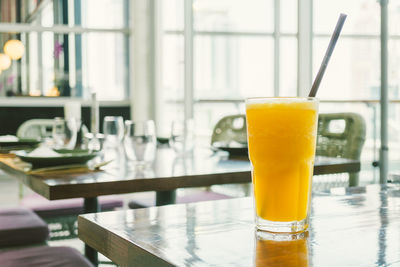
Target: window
71, 49
356, 58
354, 71
240, 49
244, 49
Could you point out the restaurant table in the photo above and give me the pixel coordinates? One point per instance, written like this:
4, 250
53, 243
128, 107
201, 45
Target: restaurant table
348, 227
167, 174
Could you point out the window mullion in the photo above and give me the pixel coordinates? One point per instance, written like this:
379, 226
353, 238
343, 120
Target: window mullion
188, 55
304, 62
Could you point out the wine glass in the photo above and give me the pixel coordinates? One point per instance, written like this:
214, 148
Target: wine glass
140, 142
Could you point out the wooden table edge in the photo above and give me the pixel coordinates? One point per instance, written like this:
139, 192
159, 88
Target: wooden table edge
92, 235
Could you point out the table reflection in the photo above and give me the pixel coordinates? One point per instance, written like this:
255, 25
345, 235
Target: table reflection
182, 165
281, 250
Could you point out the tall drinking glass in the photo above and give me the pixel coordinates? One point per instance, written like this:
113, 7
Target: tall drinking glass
140, 142
113, 129
281, 135
182, 136
65, 132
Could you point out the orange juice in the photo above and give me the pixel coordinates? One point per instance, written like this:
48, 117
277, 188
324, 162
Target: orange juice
281, 137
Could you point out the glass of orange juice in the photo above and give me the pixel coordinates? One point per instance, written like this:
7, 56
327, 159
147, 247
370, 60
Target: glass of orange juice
281, 136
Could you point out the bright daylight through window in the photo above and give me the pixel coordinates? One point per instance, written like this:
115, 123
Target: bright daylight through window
243, 50
70, 49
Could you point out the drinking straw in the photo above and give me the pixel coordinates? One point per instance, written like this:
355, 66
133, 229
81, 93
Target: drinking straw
328, 53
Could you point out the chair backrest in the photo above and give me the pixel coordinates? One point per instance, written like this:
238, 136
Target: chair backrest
41, 128
230, 128
35, 128
340, 135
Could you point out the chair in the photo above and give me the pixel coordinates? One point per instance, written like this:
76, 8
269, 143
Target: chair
43, 256
41, 128
35, 128
341, 135
61, 215
230, 129
20, 227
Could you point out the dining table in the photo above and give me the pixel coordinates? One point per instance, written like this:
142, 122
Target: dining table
167, 173
354, 226
201, 168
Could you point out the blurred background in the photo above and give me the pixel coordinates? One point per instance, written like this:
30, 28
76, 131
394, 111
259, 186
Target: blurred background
174, 59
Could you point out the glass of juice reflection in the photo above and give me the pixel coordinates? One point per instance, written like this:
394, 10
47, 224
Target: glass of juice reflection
288, 252
281, 136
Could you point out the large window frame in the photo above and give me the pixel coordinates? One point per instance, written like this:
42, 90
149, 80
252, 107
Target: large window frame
306, 37
304, 43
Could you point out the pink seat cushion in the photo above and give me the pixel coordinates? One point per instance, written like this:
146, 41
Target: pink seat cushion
46, 208
43, 256
149, 200
21, 226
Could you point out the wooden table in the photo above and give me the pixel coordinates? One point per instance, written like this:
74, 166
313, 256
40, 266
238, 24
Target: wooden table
167, 174
350, 227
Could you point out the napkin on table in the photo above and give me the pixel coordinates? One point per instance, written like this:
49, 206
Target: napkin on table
8, 138
44, 152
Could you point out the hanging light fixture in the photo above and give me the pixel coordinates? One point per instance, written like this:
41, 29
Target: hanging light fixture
15, 49
5, 61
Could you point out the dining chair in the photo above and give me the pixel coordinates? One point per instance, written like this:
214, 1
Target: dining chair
60, 215
43, 256
42, 128
230, 128
35, 128
21, 227
341, 135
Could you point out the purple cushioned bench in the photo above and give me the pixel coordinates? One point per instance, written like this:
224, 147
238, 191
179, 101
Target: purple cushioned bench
74, 206
21, 226
43, 256
148, 200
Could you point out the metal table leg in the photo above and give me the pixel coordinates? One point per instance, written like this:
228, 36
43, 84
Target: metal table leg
165, 197
91, 205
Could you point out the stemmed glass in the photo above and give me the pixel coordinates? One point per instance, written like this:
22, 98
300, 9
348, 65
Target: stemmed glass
140, 142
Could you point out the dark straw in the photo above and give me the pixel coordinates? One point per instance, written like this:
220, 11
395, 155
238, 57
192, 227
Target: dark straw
328, 53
